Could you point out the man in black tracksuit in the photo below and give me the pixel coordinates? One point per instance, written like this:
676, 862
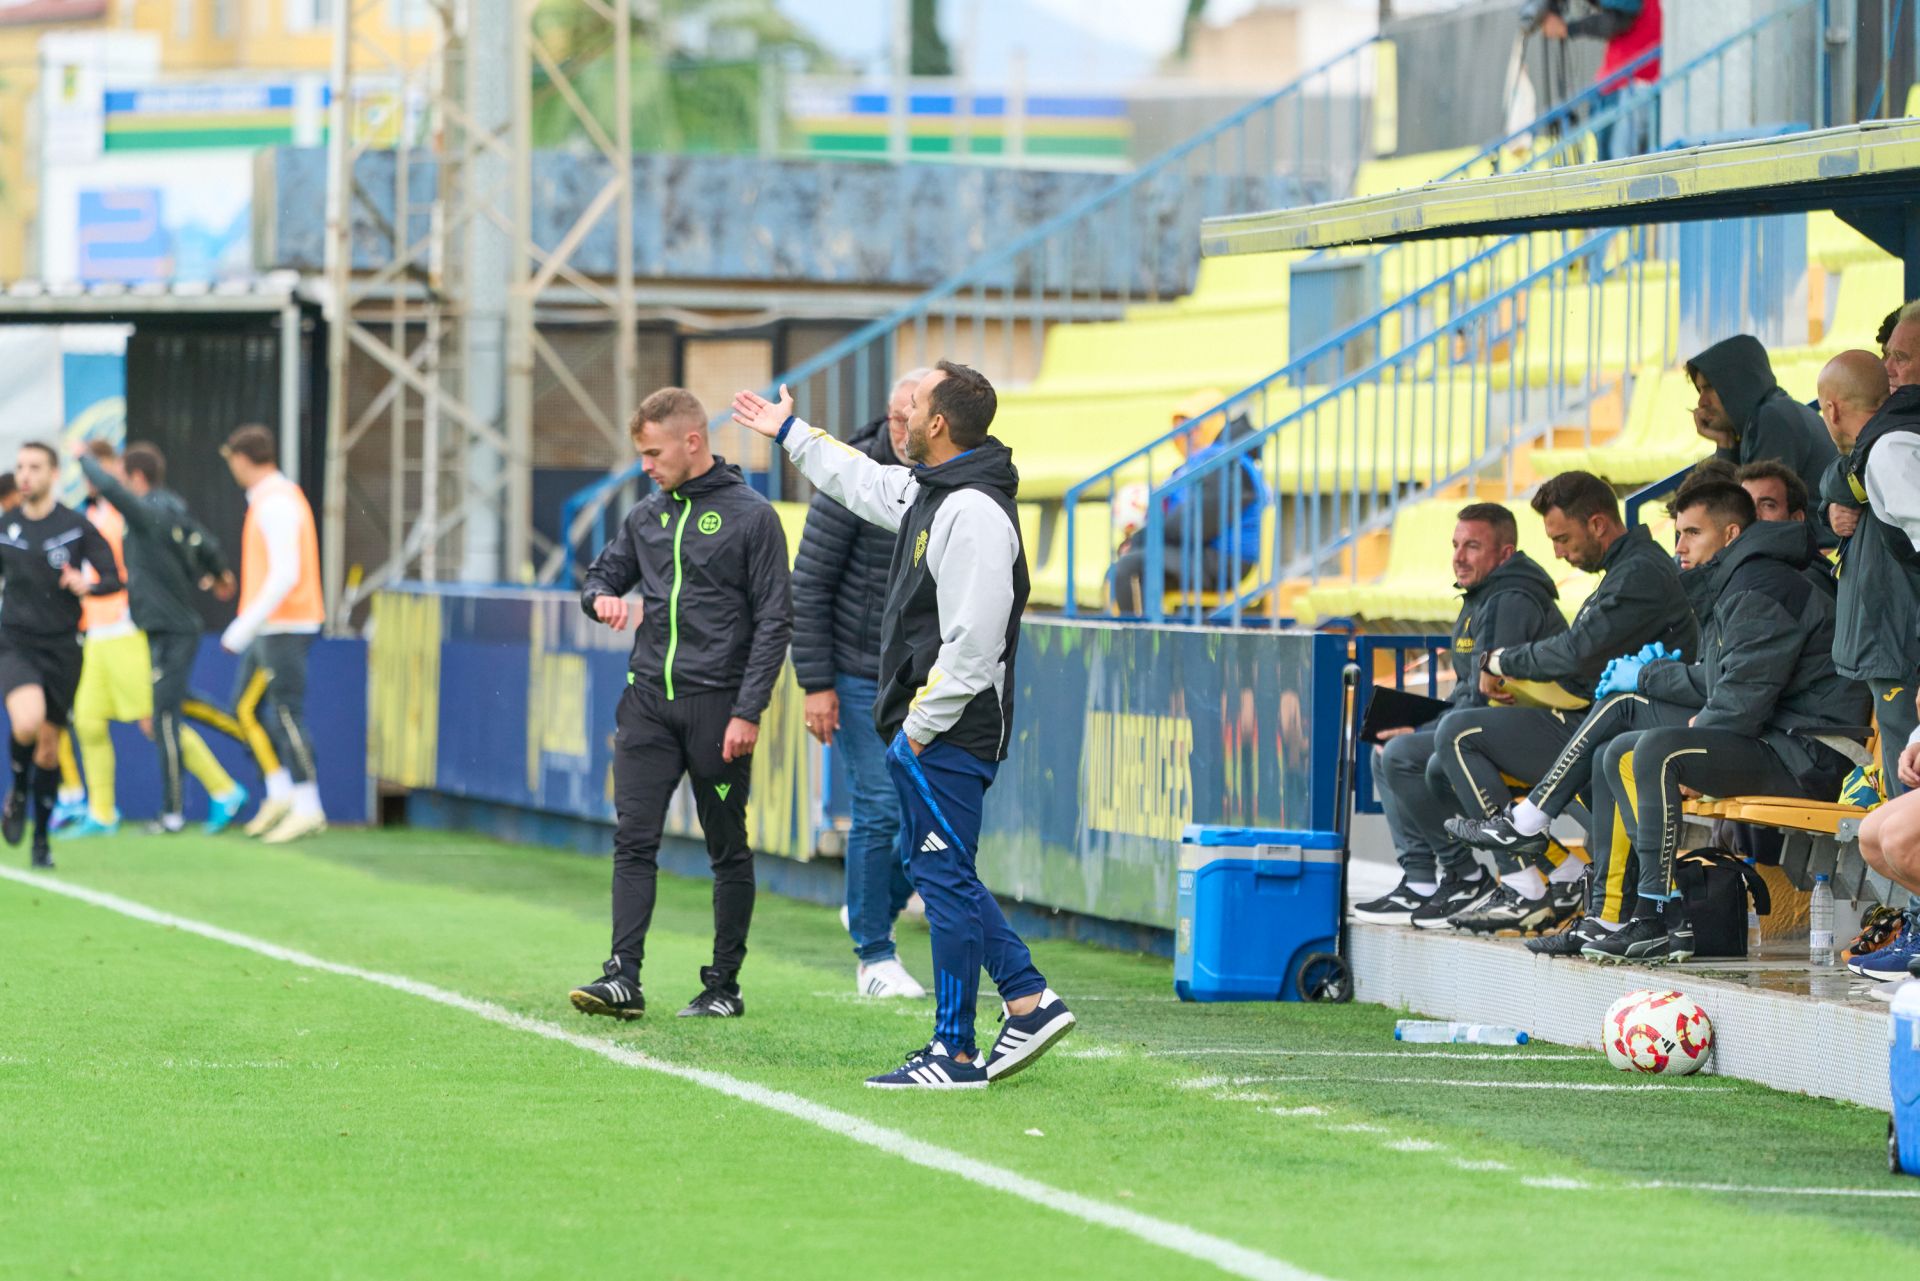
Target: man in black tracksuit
840, 577
952, 630
1748, 416
168, 555
1508, 600
709, 558
1638, 602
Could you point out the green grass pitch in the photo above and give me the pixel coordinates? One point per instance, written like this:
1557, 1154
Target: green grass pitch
175, 1106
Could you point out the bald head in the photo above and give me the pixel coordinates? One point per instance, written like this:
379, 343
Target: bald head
1852, 387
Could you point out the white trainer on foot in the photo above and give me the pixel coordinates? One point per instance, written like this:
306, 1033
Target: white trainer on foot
268, 817
293, 827
887, 978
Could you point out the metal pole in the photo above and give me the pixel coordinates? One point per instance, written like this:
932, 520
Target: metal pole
290, 389
494, 540
339, 304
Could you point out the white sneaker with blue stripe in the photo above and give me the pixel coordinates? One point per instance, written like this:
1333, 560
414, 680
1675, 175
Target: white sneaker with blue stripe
1024, 1038
932, 1068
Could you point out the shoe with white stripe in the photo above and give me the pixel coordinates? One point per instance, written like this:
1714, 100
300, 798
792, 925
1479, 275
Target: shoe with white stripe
615, 995
719, 997
932, 1068
887, 978
1024, 1038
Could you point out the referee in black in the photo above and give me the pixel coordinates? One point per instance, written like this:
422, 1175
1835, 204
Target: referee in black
709, 559
42, 547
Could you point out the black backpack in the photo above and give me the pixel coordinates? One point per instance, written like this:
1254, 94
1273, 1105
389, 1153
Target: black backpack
1715, 884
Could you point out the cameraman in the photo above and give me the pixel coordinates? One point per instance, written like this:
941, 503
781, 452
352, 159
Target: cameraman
1630, 28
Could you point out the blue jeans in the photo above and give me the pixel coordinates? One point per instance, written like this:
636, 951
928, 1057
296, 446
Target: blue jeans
877, 886
942, 793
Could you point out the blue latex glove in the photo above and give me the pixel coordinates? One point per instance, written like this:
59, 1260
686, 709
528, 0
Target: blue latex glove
1622, 677
1653, 650
1606, 675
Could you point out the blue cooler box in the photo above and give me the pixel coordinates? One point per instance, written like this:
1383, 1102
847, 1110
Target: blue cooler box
1254, 903
1903, 1079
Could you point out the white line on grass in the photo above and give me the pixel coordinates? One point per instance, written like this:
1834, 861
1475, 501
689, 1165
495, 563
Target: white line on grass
1228, 1256
1378, 1054
1662, 1185
1206, 1082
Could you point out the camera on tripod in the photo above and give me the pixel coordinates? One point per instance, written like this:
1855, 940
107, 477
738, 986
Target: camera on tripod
1534, 12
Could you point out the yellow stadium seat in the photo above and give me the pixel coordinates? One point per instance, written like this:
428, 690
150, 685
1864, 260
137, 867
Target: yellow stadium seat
1235, 282
1229, 350
1372, 437
1093, 551
1868, 291
1837, 247
1419, 572
1657, 440
1397, 173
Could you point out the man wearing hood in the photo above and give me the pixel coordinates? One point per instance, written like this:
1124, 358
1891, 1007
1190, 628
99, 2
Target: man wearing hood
1748, 416
947, 648
1637, 603
709, 559
840, 577
1508, 599
1718, 725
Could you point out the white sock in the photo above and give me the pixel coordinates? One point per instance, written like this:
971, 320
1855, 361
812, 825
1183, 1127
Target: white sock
73, 796
174, 822
1527, 883
306, 800
1423, 887
1529, 819
1608, 926
1571, 869
279, 786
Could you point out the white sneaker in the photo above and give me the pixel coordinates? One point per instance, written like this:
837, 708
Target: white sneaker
294, 826
268, 817
887, 978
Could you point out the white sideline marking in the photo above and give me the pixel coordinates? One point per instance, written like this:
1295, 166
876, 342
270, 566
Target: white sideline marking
1413, 1145
1480, 1167
1556, 1183
1660, 1185
1378, 1054
1228, 1256
1309, 1110
1434, 1080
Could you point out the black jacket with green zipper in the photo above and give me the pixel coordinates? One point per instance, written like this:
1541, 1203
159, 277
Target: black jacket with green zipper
710, 562
1514, 604
1766, 650
1637, 600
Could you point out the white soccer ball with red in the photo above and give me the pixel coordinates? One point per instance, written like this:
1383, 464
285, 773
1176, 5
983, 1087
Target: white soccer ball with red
1129, 510
1660, 1033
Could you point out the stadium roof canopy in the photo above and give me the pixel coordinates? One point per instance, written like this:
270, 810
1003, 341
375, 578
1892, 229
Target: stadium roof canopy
1867, 174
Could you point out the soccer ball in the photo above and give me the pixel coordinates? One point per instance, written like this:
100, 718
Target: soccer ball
1129, 510
1662, 1033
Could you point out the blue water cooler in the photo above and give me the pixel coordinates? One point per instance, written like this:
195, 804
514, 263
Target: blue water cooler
1903, 1080
1254, 904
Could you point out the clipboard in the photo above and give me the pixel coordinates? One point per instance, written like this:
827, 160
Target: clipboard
1550, 695
1391, 708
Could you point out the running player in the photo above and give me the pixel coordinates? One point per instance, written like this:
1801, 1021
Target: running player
280, 614
43, 547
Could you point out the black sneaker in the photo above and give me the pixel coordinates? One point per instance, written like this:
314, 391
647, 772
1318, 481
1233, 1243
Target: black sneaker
1497, 835
1569, 941
1569, 897
1507, 913
13, 818
1024, 1038
718, 999
1456, 895
1396, 907
1648, 940
42, 855
933, 1068
616, 994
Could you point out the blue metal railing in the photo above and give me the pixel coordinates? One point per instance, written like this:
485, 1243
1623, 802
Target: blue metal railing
1433, 309
1136, 241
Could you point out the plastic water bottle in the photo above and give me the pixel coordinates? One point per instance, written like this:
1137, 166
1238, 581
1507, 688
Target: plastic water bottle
1820, 923
1753, 920
1431, 1032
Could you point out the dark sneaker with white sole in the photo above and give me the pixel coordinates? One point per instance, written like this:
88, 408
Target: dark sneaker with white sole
932, 1068
1024, 1038
42, 856
719, 997
616, 994
1507, 913
1395, 907
1498, 835
1568, 941
13, 817
1455, 896
1646, 940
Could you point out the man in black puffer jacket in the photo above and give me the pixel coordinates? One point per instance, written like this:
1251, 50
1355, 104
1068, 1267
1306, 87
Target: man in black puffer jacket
840, 578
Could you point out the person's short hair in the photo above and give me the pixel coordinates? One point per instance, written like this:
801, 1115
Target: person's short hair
912, 377
253, 443
1581, 495
102, 450
147, 461
1774, 469
1712, 469
1506, 530
1908, 311
669, 406
53, 458
966, 400
8, 485
1887, 326
1726, 503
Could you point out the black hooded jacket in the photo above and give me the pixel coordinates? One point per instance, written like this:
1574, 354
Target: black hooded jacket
1511, 606
1768, 423
1766, 651
710, 562
1878, 634
840, 582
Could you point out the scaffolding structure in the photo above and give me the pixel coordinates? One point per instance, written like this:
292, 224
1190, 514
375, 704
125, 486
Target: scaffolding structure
441, 300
